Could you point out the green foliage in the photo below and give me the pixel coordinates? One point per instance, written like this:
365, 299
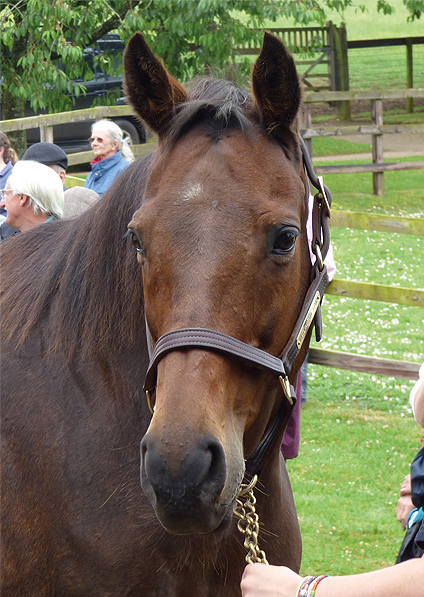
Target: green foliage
38, 37
415, 8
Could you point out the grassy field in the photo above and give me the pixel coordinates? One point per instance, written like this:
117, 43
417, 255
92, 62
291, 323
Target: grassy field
358, 436
375, 68
369, 24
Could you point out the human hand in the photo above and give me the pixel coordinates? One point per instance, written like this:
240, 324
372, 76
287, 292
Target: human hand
404, 507
260, 580
405, 488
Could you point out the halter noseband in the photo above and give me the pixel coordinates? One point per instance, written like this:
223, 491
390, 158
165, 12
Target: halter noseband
255, 357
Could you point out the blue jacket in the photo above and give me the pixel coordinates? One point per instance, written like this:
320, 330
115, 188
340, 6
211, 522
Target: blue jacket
103, 173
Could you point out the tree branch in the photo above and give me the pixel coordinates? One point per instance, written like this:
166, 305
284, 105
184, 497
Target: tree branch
114, 21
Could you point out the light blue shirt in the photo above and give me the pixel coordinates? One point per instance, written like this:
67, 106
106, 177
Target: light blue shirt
103, 173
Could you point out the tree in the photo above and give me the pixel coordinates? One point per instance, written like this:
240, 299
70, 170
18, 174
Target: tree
42, 41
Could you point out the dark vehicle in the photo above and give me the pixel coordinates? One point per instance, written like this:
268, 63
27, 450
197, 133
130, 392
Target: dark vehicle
73, 136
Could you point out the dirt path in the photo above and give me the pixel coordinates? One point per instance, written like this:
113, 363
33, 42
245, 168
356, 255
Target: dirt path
395, 145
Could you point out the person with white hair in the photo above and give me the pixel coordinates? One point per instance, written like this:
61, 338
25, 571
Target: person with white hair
113, 155
33, 195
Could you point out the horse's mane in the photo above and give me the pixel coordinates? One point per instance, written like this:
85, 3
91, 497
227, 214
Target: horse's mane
79, 277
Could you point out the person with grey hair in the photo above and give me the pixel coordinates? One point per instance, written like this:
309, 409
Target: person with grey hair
77, 201
33, 195
113, 155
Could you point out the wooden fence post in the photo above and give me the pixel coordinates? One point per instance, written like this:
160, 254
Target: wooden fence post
46, 134
377, 146
306, 123
409, 74
339, 66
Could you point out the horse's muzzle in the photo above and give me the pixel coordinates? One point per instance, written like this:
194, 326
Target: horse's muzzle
187, 500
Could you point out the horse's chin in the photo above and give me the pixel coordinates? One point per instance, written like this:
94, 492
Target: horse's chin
195, 522
182, 514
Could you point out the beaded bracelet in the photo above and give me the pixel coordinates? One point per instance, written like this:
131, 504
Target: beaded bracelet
309, 585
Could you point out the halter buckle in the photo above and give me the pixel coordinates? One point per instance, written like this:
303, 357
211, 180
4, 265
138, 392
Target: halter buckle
323, 195
318, 254
150, 402
284, 381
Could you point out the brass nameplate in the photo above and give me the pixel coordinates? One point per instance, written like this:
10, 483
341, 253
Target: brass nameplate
308, 320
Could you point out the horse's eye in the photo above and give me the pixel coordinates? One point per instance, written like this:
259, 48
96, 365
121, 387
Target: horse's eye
136, 242
284, 241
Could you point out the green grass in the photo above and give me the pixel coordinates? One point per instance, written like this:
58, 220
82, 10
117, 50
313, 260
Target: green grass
346, 482
332, 146
370, 24
358, 436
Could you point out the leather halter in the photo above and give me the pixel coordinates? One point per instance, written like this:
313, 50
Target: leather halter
255, 357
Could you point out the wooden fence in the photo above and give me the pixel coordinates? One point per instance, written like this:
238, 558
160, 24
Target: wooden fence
377, 129
364, 221
375, 292
408, 42
315, 41
330, 47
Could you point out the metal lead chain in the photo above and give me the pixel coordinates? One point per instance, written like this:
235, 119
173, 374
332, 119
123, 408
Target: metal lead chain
248, 523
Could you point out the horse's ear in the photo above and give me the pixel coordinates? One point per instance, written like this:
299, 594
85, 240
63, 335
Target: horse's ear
148, 86
276, 86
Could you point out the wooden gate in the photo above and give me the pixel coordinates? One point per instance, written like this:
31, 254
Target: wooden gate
312, 50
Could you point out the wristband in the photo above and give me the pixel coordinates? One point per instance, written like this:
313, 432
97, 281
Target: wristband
309, 584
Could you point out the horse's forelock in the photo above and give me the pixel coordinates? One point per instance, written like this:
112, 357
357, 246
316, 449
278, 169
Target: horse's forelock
217, 103
220, 106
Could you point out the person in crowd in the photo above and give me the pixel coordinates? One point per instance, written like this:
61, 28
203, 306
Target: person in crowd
33, 195
405, 504
77, 200
113, 155
401, 580
49, 154
8, 157
44, 153
409, 509
416, 398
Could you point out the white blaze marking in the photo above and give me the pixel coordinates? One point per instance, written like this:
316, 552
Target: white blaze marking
191, 191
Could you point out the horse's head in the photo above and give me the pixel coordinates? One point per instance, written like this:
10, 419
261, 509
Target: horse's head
221, 238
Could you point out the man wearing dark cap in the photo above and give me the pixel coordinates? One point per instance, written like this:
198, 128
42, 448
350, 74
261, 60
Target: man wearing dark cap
50, 155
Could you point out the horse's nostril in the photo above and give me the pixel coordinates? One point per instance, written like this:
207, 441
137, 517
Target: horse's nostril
185, 477
205, 464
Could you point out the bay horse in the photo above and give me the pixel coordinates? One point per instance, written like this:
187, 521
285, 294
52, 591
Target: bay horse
198, 251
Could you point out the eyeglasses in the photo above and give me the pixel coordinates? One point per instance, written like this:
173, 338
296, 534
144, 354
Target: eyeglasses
4, 192
98, 139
